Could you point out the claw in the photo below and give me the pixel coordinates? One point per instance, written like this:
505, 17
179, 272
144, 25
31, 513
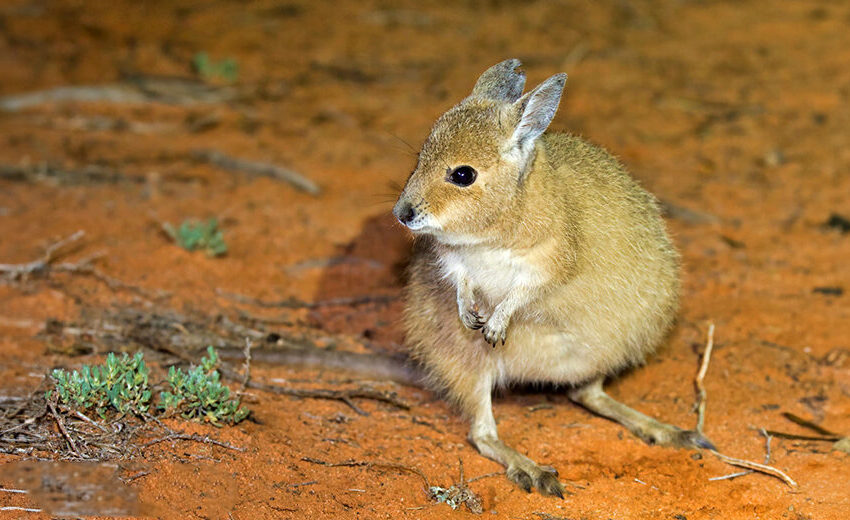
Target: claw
522, 479
698, 440
548, 484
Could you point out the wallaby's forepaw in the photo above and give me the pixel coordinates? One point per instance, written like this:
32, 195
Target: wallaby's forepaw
495, 330
545, 480
471, 319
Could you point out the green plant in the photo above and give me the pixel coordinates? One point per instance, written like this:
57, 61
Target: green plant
225, 70
199, 395
193, 235
120, 384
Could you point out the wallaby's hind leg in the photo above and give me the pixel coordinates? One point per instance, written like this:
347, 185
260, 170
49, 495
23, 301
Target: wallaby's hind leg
520, 469
594, 398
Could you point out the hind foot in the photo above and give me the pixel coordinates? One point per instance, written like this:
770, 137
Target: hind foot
654, 432
545, 480
592, 397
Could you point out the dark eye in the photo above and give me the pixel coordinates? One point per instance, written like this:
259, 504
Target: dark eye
462, 176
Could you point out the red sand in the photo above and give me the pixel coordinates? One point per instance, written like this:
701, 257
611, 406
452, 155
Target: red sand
734, 110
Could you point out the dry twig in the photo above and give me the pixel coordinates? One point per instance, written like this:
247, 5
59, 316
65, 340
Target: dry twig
203, 439
140, 89
61, 424
16, 271
701, 396
755, 466
247, 376
233, 164
741, 463
47, 263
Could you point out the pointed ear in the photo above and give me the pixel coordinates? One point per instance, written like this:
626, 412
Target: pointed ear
501, 82
536, 110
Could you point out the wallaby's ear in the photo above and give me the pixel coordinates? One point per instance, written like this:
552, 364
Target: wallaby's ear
536, 110
501, 82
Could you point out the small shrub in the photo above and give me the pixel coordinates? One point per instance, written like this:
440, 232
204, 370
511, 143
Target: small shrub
199, 395
193, 235
120, 384
225, 70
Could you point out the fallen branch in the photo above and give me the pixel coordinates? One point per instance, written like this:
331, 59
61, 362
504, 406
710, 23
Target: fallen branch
16, 271
767, 439
141, 89
840, 442
131, 478
203, 439
701, 393
61, 424
259, 169
809, 424
92, 93
700, 406
90, 174
48, 263
755, 466
247, 377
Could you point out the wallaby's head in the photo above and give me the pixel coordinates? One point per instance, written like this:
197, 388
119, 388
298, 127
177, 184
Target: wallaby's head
473, 165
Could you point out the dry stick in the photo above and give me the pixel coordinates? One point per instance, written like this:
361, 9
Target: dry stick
702, 395
247, 352
195, 438
61, 424
233, 164
19, 270
138, 475
761, 468
826, 435
143, 89
809, 424
767, 439
83, 266
368, 464
85, 418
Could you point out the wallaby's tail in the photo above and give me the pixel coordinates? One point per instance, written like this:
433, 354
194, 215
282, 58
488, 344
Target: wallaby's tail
393, 367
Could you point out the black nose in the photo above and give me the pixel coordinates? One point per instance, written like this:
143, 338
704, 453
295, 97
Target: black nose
404, 212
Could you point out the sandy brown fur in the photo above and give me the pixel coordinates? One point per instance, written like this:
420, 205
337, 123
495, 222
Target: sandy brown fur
555, 240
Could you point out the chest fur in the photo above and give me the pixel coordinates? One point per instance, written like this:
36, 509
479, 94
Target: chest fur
494, 272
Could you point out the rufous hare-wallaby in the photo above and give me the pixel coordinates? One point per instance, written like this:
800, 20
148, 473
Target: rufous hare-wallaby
536, 258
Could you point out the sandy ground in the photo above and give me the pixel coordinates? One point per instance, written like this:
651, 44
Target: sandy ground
734, 113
